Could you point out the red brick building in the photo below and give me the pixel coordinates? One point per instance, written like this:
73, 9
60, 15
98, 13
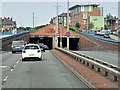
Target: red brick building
82, 13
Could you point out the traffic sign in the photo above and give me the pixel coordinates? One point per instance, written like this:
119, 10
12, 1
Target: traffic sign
67, 34
58, 35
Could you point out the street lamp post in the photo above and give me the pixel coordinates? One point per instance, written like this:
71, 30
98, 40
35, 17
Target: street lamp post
33, 20
56, 39
68, 24
61, 35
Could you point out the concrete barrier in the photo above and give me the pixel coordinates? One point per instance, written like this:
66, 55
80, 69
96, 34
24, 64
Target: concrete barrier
7, 41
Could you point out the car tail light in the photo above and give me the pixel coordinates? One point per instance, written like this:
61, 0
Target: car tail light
12, 46
23, 51
38, 51
23, 43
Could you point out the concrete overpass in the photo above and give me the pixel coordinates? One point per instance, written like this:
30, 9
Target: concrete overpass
47, 36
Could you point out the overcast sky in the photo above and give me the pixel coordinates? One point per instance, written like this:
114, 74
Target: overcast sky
21, 10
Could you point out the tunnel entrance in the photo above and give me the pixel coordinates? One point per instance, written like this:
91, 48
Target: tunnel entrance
73, 43
45, 40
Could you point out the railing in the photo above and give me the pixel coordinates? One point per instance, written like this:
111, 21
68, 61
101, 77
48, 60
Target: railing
13, 35
5, 33
100, 38
95, 64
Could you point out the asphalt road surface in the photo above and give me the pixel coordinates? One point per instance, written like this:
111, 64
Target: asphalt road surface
48, 73
104, 56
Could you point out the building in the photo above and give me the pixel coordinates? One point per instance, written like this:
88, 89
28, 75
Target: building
82, 14
7, 24
62, 19
98, 22
111, 22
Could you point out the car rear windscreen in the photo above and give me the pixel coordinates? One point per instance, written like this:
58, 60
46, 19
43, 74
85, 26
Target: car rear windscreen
31, 47
17, 43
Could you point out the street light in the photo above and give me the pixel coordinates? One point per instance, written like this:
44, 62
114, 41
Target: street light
56, 39
68, 24
33, 20
61, 35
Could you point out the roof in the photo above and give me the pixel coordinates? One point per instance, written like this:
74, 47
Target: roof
75, 6
63, 14
50, 31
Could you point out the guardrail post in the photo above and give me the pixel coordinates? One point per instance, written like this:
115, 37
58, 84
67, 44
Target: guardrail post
106, 73
92, 66
98, 70
79, 60
83, 62
87, 64
115, 78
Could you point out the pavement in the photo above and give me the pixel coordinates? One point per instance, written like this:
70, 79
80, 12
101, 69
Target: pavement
114, 37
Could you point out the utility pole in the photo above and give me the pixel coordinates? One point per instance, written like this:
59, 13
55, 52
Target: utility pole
68, 24
57, 26
33, 20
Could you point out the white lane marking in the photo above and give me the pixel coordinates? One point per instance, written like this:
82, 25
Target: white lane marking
4, 67
18, 61
14, 66
1, 87
5, 79
11, 70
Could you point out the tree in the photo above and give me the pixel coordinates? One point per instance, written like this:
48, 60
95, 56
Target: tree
28, 28
77, 25
90, 25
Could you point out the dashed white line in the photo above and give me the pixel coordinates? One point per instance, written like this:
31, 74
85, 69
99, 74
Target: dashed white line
18, 61
11, 70
5, 78
14, 66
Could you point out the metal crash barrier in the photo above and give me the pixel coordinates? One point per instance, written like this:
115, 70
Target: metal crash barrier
95, 64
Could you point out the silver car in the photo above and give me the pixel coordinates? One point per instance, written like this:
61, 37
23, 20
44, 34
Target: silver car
17, 46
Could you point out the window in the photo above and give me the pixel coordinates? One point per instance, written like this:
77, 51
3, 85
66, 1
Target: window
85, 21
85, 15
94, 19
90, 8
31, 47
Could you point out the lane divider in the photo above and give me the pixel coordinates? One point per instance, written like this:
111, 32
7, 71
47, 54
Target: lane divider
12, 68
80, 77
5, 79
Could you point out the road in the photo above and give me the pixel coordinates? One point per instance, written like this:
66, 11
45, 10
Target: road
104, 56
48, 73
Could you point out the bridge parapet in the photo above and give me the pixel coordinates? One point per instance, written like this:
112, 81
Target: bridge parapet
6, 41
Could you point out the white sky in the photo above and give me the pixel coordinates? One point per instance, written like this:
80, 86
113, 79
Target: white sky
21, 10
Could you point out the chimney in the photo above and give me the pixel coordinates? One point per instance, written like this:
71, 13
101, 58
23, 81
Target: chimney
11, 19
8, 18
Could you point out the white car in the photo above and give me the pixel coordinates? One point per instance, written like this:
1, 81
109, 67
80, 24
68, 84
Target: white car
31, 51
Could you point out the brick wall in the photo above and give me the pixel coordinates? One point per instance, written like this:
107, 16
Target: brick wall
89, 43
79, 18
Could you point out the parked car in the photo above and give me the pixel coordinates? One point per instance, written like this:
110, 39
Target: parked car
103, 32
42, 46
17, 46
97, 32
31, 51
45, 47
106, 36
